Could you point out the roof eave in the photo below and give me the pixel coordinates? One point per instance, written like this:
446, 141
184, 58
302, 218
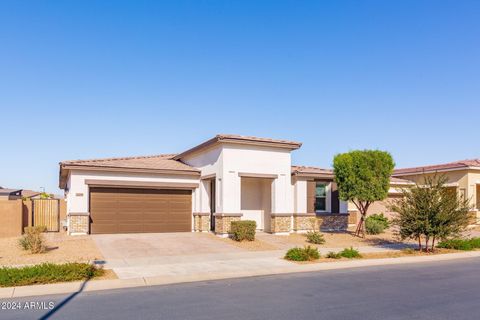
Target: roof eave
65, 168
218, 139
417, 172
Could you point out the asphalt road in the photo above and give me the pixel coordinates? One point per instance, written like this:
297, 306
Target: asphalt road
441, 290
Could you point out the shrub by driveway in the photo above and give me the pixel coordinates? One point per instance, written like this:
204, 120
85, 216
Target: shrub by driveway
61, 248
47, 273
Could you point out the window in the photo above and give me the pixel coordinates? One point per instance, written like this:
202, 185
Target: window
320, 197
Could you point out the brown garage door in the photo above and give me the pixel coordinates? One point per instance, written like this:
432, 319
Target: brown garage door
121, 210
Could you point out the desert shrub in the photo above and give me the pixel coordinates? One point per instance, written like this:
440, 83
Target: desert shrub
409, 251
32, 239
376, 224
460, 244
333, 255
243, 230
350, 253
475, 242
306, 253
315, 237
47, 273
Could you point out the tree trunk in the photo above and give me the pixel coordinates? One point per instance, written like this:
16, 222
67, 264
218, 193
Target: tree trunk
433, 243
361, 226
419, 243
426, 243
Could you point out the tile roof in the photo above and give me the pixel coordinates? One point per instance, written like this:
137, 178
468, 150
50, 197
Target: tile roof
156, 162
239, 139
445, 166
316, 171
305, 170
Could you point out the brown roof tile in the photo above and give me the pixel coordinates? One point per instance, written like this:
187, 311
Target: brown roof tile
233, 138
157, 162
315, 172
445, 166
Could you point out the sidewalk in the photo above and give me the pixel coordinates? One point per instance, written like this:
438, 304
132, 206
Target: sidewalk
233, 268
203, 264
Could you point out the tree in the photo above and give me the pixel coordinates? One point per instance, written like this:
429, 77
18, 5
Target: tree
430, 211
363, 177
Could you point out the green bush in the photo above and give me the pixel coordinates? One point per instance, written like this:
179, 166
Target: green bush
350, 253
47, 273
475, 242
306, 253
376, 223
333, 255
460, 244
243, 230
33, 240
315, 237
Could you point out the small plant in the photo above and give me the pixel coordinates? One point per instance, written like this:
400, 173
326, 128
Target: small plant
47, 273
350, 253
409, 251
243, 230
376, 224
315, 237
458, 244
33, 240
306, 253
333, 255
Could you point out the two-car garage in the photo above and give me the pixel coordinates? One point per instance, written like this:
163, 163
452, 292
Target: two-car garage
137, 210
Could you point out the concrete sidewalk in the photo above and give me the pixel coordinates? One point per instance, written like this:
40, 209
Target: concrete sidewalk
235, 269
203, 264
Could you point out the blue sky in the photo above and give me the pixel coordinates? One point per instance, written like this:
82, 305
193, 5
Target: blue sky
87, 79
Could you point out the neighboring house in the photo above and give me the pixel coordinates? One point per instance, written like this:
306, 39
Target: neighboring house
463, 176
13, 194
394, 193
227, 178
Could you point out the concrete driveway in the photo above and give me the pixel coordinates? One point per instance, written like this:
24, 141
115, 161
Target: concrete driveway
147, 245
161, 254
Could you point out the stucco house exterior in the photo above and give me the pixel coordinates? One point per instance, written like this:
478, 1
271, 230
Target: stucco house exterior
227, 178
463, 176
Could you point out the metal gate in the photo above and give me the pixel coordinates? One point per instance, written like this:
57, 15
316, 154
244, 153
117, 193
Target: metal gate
46, 212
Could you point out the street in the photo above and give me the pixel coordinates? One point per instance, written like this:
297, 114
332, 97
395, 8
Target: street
441, 290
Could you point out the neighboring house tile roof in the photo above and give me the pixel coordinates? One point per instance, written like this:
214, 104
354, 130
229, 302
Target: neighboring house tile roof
22, 192
467, 164
238, 139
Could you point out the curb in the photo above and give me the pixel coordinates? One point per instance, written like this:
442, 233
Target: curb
98, 285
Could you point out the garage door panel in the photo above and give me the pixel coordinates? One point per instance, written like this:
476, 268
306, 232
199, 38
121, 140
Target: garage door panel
140, 210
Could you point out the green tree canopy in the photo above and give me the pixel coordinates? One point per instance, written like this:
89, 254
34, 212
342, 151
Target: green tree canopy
363, 177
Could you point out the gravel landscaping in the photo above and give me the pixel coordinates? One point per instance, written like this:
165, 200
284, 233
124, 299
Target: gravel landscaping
61, 248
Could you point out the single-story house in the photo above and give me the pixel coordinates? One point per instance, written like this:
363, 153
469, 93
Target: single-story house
463, 176
13, 194
227, 178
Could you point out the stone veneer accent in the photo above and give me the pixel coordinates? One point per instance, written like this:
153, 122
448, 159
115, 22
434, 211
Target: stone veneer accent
280, 223
333, 221
223, 222
201, 222
326, 221
79, 223
304, 222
